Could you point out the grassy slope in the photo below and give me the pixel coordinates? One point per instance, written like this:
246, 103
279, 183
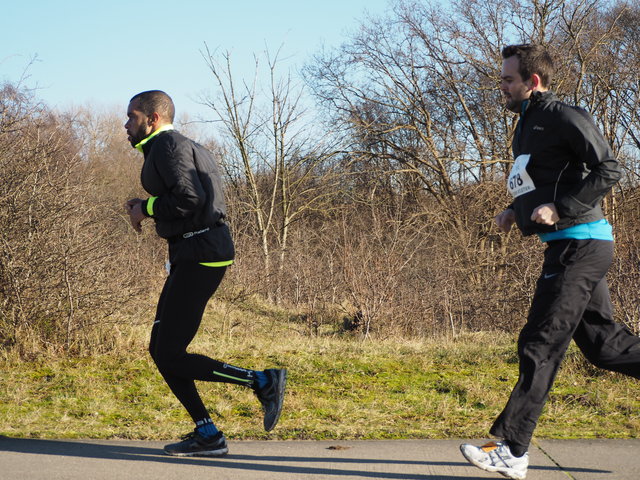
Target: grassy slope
339, 388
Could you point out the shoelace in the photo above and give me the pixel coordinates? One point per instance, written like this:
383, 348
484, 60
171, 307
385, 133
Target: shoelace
493, 450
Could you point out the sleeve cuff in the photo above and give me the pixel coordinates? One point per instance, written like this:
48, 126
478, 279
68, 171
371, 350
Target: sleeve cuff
561, 209
147, 206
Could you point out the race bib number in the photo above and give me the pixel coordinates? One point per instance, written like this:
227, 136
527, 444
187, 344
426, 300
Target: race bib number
519, 180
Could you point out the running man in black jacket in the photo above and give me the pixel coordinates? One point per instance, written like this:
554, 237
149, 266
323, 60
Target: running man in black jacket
563, 169
187, 204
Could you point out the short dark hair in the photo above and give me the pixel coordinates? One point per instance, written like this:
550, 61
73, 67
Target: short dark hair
155, 101
533, 59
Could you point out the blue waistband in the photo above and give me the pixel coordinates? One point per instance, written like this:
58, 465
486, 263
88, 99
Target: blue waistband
598, 230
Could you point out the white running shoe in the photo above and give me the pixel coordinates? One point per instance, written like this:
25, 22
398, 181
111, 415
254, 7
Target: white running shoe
496, 457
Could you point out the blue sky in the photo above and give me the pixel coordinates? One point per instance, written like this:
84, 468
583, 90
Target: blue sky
102, 52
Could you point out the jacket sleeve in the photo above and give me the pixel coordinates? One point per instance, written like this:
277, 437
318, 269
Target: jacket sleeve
590, 148
183, 192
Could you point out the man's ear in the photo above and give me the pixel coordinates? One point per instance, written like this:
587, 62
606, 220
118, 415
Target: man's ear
536, 82
153, 120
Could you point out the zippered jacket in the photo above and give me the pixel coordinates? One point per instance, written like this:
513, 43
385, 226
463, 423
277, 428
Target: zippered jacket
561, 158
187, 200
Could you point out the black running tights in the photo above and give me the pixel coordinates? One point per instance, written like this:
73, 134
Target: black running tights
180, 308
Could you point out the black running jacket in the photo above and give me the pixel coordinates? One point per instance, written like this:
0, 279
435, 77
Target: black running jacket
187, 200
561, 158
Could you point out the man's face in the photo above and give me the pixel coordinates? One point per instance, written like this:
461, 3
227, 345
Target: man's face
138, 124
514, 89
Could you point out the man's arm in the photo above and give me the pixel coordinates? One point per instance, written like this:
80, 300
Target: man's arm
590, 146
184, 192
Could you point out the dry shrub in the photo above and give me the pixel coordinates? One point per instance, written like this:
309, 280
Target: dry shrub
63, 270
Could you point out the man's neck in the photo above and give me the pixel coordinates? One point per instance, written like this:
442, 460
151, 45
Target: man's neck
157, 131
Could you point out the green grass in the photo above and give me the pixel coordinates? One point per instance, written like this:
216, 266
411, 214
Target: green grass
339, 388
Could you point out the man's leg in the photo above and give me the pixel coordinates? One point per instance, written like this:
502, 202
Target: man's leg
571, 272
605, 343
180, 309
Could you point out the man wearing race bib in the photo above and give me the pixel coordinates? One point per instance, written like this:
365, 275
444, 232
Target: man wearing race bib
563, 169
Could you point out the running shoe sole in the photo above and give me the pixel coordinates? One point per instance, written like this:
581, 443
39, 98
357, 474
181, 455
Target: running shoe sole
271, 418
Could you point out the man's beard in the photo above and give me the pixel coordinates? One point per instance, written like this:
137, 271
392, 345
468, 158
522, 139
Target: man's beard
137, 137
513, 105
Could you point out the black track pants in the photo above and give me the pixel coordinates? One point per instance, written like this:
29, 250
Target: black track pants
182, 302
571, 301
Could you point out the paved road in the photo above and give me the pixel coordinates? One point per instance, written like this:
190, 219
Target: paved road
28, 459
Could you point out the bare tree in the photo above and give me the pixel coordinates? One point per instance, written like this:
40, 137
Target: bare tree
417, 92
278, 167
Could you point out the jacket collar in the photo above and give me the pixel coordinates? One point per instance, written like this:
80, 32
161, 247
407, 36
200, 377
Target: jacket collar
541, 97
143, 142
536, 99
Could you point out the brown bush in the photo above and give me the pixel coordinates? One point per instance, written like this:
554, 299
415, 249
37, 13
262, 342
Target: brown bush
63, 270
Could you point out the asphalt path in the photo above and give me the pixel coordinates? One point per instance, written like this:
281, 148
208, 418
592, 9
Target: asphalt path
34, 459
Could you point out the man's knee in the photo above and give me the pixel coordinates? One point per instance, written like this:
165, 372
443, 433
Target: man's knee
615, 362
598, 359
165, 360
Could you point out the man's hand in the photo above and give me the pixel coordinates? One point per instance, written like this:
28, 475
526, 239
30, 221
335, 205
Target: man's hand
505, 220
134, 209
546, 214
